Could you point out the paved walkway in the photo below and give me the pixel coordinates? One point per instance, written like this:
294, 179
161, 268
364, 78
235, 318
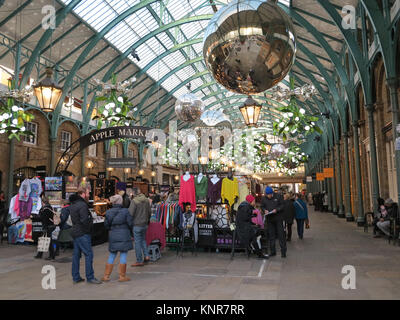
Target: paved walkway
312, 270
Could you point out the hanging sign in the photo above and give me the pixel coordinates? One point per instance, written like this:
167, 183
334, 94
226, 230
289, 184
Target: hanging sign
101, 175
113, 133
320, 176
309, 179
121, 163
328, 172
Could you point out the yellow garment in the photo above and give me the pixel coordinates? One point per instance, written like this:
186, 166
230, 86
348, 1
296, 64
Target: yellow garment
243, 193
229, 190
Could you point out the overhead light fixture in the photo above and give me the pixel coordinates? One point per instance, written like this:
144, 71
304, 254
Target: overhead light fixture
250, 111
141, 172
48, 92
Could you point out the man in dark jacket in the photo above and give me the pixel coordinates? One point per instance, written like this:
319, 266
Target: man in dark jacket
246, 229
81, 233
140, 210
288, 212
272, 206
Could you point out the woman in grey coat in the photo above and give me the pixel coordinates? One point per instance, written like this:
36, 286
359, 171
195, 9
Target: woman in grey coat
120, 223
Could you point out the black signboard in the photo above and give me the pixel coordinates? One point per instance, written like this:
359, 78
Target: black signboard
206, 232
113, 133
121, 163
101, 175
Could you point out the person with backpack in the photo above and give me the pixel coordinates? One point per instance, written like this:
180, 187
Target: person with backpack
47, 216
120, 223
301, 215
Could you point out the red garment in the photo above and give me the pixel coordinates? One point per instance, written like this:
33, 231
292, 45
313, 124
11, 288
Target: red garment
156, 231
187, 193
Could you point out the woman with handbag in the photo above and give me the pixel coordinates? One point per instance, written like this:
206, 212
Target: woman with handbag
46, 215
120, 223
301, 215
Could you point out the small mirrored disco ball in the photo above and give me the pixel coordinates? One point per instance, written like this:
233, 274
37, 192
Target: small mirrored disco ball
249, 45
189, 108
277, 150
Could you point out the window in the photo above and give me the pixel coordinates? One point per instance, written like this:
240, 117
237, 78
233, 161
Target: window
65, 140
32, 127
92, 150
113, 151
130, 153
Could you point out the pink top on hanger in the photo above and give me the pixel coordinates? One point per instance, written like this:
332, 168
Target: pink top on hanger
187, 193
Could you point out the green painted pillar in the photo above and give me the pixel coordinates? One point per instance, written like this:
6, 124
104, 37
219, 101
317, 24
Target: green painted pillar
333, 183
328, 182
360, 209
338, 176
393, 83
11, 159
53, 145
347, 194
374, 162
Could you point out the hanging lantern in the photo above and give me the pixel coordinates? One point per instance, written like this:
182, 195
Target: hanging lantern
250, 111
249, 45
48, 92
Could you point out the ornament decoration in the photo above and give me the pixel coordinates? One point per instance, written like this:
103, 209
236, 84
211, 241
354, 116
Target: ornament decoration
12, 116
295, 124
121, 88
116, 110
249, 45
189, 107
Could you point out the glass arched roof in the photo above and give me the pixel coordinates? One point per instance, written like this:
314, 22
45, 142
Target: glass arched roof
99, 13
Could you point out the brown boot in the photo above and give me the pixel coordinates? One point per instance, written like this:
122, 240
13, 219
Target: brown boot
107, 272
122, 273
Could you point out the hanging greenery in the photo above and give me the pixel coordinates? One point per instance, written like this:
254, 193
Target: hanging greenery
295, 124
116, 110
13, 117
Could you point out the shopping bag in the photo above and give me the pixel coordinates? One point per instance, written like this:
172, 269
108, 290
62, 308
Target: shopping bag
43, 243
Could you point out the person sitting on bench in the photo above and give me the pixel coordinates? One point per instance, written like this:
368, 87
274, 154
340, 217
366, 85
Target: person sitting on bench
246, 229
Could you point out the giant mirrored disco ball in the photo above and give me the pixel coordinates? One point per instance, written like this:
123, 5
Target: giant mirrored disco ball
189, 108
277, 150
249, 45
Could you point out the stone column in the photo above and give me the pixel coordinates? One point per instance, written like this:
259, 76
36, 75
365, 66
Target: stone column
393, 83
374, 162
360, 209
339, 181
328, 183
333, 183
347, 194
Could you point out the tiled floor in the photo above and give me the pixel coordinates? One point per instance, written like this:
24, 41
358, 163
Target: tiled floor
312, 270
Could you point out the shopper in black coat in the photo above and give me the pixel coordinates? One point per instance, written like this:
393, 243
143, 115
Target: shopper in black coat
289, 213
246, 229
272, 207
46, 215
